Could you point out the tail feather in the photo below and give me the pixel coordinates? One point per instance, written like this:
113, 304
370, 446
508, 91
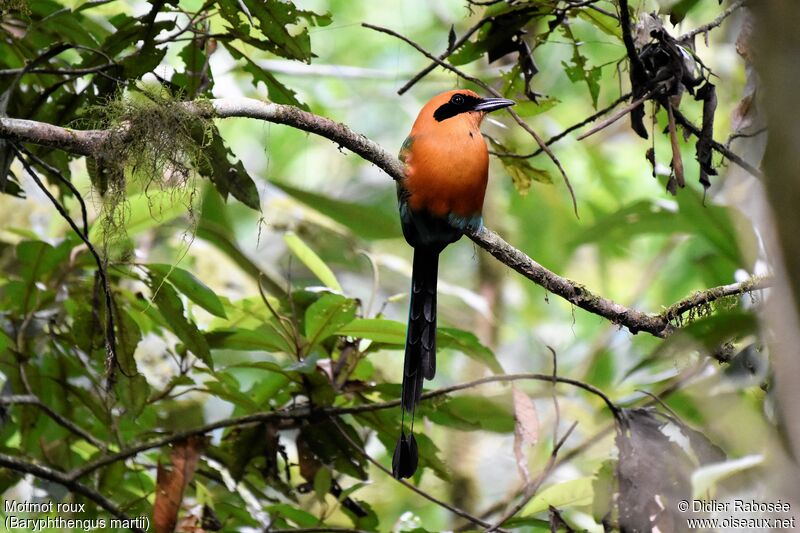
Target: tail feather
420, 356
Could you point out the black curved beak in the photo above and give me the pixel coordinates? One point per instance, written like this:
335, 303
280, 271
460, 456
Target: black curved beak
493, 104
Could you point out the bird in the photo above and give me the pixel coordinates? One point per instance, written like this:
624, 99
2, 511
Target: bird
440, 197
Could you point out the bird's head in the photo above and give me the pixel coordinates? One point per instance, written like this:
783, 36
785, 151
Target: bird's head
460, 105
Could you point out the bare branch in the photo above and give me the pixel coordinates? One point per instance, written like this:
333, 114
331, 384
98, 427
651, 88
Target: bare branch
32, 399
615, 117
87, 142
578, 125
710, 295
714, 23
110, 335
305, 412
43, 472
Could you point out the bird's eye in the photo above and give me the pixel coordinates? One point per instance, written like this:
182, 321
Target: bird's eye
457, 99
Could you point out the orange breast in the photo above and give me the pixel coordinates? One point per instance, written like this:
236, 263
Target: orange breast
447, 169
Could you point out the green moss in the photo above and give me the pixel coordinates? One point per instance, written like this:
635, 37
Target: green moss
158, 142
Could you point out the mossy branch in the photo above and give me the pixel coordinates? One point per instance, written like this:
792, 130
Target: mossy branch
95, 142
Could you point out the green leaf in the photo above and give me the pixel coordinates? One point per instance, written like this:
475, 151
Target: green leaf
228, 388
376, 329
469, 413
326, 440
190, 286
468, 344
680, 9
312, 261
195, 60
326, 316
228, 178
128, 336
298, 516
322, 483
579, 70
274, 18
277, 91
264, 338
364, 220
171, 308
573, 493
133, 392
38, 260
529, 108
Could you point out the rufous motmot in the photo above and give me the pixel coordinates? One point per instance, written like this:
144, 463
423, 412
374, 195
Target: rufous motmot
441, 196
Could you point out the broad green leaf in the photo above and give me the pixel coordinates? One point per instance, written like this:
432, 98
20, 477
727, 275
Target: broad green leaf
311, 260
277, 91
322, 483
364, 220
133, 391
298, 516
38, 260
171, 308
228, 178
275, 19
565, 495
328, 442
190, 286
471, 413
326, 316
468, 344
376, 329
679, 10
579, 70
127, 337
231, 394
264, 338
528, 108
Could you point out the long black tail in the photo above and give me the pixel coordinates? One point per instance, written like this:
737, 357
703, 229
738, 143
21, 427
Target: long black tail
420, 357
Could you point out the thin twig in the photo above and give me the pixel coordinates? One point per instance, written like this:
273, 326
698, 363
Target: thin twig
714, 23
67, 183
111, 342
444, 55
56, 71
616, 116
531, 490
43, 472
453, 509
555, 138
32, 399
305, 412
707, 296
681, 119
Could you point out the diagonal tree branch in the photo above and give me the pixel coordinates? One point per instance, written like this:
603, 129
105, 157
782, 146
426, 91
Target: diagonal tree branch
89, 142
43, 472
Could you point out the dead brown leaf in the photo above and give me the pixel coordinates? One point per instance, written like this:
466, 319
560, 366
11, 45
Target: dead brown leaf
526, 430
171, 482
